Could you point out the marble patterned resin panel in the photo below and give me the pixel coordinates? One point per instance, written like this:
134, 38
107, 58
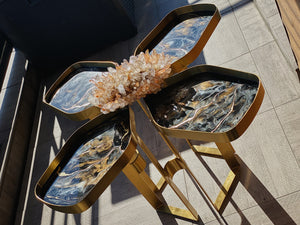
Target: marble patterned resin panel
89, 164
208, 106
183, 37
73, 96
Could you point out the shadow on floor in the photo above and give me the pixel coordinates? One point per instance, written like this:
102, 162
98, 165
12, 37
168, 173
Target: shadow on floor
265, 200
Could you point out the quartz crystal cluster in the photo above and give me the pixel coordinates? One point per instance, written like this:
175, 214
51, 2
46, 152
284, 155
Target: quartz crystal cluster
143, 74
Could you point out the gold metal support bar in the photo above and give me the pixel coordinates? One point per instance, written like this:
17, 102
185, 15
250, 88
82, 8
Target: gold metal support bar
186, 167
171, 167
205, 151
228, 153
170, 182
191, 213
134, 171
178, 212
226, 191
224, 151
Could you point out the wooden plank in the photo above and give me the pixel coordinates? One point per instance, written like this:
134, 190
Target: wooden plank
290, 14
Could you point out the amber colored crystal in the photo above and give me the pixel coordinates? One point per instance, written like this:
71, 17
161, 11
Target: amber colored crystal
143, 74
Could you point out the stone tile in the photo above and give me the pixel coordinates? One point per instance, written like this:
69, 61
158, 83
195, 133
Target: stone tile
245, 63
226, 43
265, 150
267, 8
268, 169
278, 211
138, 213
252, 25
279, 81
239, 3
289, 117
122, 194
280, 35
217, 170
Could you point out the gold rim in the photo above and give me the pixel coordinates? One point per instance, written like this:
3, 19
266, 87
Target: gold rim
170, 21
221, 137
88, 113
66, 153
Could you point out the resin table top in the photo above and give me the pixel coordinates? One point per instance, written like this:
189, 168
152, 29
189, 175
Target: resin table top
89, 163
208, 106
183, 37
73, 95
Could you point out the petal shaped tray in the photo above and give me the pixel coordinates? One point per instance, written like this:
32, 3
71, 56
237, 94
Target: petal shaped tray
87, 163
69, 94
182, 34
206, 103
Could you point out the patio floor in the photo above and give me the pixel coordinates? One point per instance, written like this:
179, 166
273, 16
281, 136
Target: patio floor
250, 37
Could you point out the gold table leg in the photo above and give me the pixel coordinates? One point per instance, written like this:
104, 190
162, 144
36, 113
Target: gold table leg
224, 151
134, 171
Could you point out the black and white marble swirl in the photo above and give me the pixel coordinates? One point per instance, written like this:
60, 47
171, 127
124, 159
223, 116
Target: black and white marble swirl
73, 96
88, 165
209, 106
183, 37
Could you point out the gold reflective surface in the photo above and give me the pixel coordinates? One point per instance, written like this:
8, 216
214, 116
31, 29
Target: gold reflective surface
202, 105
87, 163
183, 37
182, 34
70, 92
206, 103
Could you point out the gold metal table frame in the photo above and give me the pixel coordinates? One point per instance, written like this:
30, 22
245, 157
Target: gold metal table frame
222, 140
131, 162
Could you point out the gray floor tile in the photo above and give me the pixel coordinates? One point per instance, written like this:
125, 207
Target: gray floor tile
252, 25
245, 63
226, 43
280, 35
278, 211
268, 8
217, 168
139, 213
266, 164
267, 153
279, 81
289, 117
